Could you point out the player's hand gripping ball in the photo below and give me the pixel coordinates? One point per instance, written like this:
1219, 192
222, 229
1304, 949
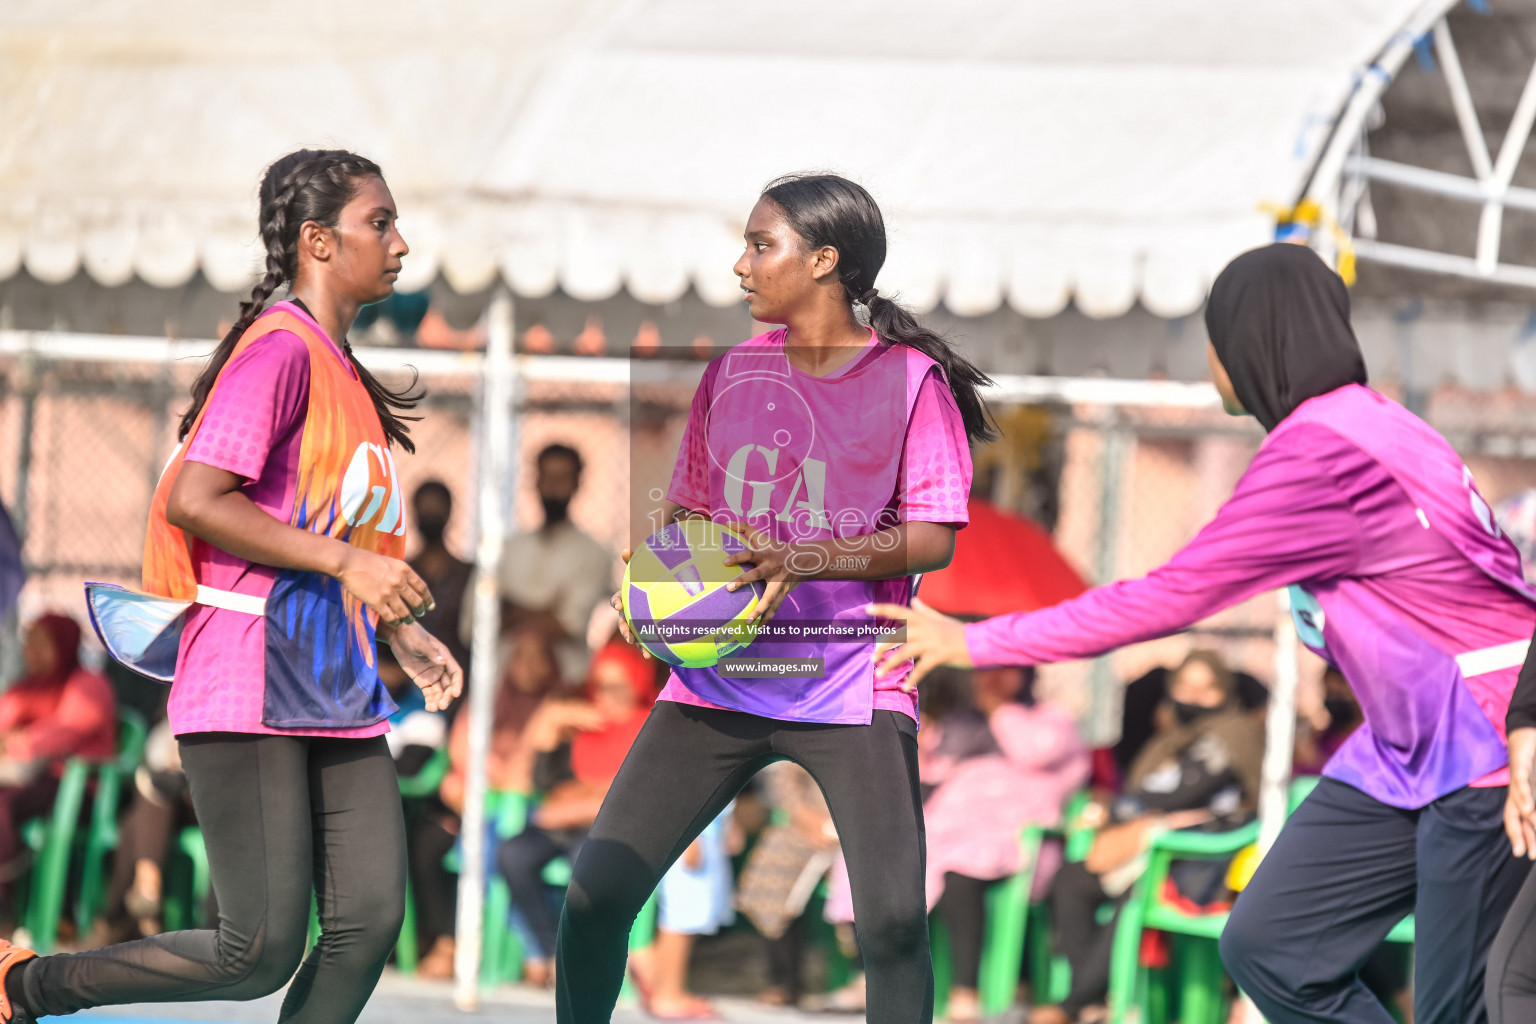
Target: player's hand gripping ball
674, 595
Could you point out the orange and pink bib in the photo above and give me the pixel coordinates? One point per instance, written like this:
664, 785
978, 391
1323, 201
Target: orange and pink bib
248, 647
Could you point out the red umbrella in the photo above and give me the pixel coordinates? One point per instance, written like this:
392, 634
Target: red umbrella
1003, 563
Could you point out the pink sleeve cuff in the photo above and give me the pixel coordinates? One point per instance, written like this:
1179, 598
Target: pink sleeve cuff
979, 645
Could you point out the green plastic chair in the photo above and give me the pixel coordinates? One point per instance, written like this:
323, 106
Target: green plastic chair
428, 779
102, 835
1050, 975
501, 954
501, 951
187, 882
1010, 917
53, 840
1197, 962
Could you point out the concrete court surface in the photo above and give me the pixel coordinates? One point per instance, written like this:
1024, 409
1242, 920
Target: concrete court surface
399, 1000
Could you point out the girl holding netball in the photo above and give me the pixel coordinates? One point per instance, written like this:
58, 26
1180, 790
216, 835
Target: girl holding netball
841, 450
280, 517
1401, 579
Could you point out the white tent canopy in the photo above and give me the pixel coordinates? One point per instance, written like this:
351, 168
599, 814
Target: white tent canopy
1028, 153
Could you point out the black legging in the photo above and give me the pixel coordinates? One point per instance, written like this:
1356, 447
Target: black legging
144, 834
963, 908
685, 766
785, 961
1076, 896
432, 887
1510, 984
283, 817
521, 861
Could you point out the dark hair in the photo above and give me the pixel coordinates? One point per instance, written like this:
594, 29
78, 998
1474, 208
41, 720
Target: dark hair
306, 185
559, 451
1217, 665
436, 487
827, 210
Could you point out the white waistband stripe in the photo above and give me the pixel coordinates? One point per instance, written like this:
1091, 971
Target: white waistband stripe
1493, 659
230, 601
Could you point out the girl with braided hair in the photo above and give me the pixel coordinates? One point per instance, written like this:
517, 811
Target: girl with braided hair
279, 527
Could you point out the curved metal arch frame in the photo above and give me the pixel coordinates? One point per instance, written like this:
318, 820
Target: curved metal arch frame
1344, 168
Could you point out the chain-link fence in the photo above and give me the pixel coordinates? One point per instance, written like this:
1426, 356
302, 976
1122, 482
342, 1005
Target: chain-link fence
83, 440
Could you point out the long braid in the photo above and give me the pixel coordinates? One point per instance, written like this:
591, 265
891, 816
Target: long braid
308, 185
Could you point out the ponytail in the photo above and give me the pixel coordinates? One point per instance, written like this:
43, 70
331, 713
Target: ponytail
893, 323
827, 210
307, 185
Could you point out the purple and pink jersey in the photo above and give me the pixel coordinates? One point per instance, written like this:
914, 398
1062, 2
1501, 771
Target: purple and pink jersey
254, 426
875, 443
1399, 576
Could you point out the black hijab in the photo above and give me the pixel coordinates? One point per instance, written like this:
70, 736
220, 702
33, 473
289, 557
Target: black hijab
1279, 319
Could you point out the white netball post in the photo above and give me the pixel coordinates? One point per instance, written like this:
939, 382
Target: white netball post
498, 385
1279, 730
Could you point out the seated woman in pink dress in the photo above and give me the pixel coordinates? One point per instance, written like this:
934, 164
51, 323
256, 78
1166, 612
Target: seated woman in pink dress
982, 803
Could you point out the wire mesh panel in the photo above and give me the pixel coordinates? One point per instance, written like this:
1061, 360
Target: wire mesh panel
83, 441
82, 444
1121, 488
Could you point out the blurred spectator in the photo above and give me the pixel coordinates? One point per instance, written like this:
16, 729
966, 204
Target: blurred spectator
948, 696
135, 692
1322, 734
998, 767
55, 711
790, 858
578, 746
1516, 515
415, 733
530, 677
12, 573
1201, 769
839, 913
1143, 697
694, 898
445, 574
1138, 716
159, 808
415, 736
554, 577
951, 697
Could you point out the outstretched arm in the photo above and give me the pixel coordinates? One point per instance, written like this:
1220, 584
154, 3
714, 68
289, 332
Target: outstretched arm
1287, 521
